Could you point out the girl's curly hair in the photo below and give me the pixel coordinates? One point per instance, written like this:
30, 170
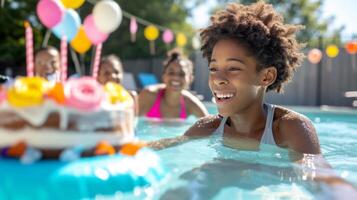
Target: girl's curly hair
263, 32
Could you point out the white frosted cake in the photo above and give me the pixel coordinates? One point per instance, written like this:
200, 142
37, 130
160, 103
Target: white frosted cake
53, 117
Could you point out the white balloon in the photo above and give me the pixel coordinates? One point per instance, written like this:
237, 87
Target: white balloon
107, 16
196, 43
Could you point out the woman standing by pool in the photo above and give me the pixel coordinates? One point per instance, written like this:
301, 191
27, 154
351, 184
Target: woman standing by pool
172, 99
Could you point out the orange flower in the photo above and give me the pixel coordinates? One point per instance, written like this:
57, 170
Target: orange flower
57, 93
131, 148
17, 150
104, 148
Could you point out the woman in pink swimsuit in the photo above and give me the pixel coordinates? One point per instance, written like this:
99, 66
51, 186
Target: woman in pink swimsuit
171, 99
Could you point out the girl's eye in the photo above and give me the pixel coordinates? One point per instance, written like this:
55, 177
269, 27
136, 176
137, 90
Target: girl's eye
233, 69
212, 69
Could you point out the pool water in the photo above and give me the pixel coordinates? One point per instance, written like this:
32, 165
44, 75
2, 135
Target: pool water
206, 169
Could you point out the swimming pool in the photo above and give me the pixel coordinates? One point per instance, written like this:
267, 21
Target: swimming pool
205, 169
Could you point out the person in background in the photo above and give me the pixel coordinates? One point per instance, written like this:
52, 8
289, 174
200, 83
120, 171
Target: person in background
171, 99
111, 70
47, 63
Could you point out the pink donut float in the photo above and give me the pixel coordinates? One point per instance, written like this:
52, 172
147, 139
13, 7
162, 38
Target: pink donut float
2, 94
84, 93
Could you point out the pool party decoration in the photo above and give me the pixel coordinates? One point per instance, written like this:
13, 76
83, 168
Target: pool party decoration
81, 42
3, 96
72, 3
133, 29
94, 34
151, 33
131, 149
64, 50
181, 40
332, 51
98, 50
84, 178
107, 16
116, 93
314, 56
68, 26
196, 44
50, 12
351, 47
84, 93
57, 93
27, 91
168, 36
29, 49
104, 148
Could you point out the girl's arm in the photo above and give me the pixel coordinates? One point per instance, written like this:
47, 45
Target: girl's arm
202, 128
300, 136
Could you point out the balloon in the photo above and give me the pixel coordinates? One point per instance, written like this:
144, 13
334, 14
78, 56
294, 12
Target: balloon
72, 3
95, 36
167, 36
81, 42
68, 26
196, 43
50, 12
107, 16
151, 33
351, 47
181, 39
332, 51
314, 56
133, 25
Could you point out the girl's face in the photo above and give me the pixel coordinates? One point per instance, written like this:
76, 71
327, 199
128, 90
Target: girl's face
110, 71
47, 63
233, 78
177, 76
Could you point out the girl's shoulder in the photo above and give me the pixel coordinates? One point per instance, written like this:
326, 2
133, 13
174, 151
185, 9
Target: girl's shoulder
151, 90
204, 126
284, 115
296, 130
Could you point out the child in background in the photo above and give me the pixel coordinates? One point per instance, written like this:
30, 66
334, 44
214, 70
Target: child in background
47, 63
171, 99
111, 70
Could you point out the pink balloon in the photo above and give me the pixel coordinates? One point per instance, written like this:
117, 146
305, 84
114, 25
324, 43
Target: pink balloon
133, 25
50, 12
94, 35
168, 36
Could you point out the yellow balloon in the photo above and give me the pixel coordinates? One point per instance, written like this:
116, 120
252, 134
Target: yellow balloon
332, 51
81, 43
72, 3
181, 40
151, 33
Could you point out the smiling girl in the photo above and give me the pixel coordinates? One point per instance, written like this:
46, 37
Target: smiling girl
172, 99
251, 51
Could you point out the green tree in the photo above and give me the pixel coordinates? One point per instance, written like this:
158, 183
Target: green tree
12, 40
307, 13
